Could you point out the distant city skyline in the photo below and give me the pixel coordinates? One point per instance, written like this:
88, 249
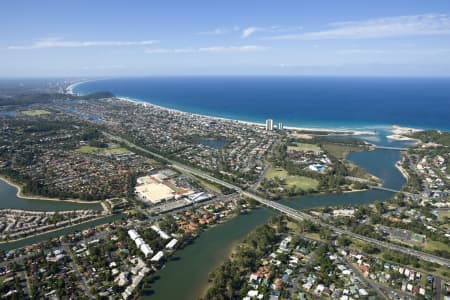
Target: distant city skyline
318, 38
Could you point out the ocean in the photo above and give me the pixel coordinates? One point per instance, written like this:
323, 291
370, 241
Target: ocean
318, 102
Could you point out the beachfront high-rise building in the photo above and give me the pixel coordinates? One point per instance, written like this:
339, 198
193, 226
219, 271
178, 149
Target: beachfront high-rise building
280, 126
269, 124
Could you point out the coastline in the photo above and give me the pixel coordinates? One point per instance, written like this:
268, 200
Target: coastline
307, 129
398, 132
69, 88
349, 131
21, 195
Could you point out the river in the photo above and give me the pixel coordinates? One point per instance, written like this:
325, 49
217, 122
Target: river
9, 199
187, 277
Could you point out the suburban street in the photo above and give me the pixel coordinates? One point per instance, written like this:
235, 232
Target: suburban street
287, 210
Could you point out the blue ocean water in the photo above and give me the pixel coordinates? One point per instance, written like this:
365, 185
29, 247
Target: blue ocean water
352, 103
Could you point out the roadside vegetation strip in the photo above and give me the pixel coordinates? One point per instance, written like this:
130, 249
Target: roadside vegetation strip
396, 257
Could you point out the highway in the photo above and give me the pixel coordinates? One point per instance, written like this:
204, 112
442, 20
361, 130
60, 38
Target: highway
297, 215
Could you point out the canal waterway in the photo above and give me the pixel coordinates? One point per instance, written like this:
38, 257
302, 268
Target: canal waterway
9, 199
60, 232
187, 277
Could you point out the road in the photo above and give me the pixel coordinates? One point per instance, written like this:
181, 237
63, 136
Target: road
80, 276
260, 178
297, 215
366, 281
159, 215
438, 283
389, 148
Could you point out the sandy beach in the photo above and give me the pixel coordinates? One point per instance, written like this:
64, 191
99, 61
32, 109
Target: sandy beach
212, 118
398, 137
70, 88
404, 130
402, 170
400, 133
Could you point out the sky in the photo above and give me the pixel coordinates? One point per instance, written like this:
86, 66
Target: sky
169, 38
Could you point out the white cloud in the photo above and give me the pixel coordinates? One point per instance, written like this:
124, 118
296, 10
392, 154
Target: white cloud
356, 51
59, 43
213, 49
249, 31
219, 31
272, 29
415, 25
216, 31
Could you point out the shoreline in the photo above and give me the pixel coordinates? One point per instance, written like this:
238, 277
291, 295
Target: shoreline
307, 129
402, 170
70, 87
344, 131
52, 230
232, 247
397, 130
229, 255
21, 195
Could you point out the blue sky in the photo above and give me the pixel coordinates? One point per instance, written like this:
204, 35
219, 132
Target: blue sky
138, 38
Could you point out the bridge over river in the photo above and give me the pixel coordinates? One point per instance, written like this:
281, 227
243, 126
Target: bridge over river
389, 148
297, 215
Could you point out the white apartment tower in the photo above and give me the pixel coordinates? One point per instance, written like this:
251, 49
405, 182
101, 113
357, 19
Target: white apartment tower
269, 124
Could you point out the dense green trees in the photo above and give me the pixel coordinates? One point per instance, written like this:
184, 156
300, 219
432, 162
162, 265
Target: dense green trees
227, 282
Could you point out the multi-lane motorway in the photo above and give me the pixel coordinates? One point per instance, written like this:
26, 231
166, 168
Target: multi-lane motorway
290, 211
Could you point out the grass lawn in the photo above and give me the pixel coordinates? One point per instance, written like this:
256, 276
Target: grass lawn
340, 151
88, 149
112, 149
301, 135
434, 245
300, 182
276, 172
208, 185
313, 236
35, 112
443, 214
304, 147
